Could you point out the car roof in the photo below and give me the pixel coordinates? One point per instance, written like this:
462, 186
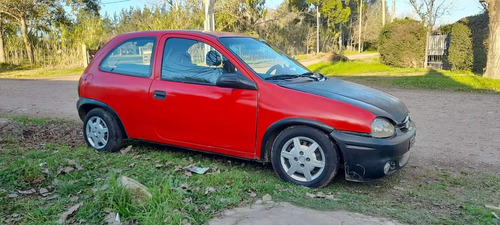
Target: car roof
216, 34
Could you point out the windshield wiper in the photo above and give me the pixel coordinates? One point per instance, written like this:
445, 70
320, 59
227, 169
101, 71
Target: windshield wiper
282, 77
316, 76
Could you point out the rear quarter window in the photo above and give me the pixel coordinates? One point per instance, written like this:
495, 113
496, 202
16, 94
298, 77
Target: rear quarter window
132, 57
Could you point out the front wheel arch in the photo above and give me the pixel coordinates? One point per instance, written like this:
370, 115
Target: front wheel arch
278, 126
329, 156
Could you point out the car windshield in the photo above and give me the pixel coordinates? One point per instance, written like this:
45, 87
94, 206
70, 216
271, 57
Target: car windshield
265, 60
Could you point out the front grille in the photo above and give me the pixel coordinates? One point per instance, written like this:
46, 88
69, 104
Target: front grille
405, 125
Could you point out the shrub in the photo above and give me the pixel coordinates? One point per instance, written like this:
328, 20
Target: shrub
402, 44
478, 26
460, 51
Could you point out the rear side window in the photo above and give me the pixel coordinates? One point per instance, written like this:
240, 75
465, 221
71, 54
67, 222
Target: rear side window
132, 57
191, 61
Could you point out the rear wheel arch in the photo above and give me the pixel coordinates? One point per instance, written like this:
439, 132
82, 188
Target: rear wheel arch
85, 105
277, 127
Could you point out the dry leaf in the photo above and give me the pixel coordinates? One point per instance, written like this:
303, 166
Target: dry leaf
43, 192
65, 170
209, 190
27, 192
310, 195
71, 211
12, 195
126, 150
159, 165
112, 219
187, 200
188, 173
184, 186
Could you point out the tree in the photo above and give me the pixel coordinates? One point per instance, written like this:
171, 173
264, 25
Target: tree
402, 43
336, 12
24, 10
429, 11
2, 51
493, 61
460, 53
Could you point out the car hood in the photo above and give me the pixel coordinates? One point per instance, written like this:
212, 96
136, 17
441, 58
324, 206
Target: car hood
377, 102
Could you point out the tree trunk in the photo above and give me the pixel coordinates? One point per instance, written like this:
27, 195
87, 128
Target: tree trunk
426, 55
341, 41
27, 43
383, 12
317, 29
2, 52
393, 15
360, 24
493, 61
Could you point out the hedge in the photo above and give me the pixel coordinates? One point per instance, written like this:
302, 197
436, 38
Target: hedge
460, 54
478, 28
402, 43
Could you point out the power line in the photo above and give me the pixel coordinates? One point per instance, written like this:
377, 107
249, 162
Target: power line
107, 3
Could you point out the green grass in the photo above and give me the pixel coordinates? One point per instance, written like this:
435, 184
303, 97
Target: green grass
415, 195
39, 72
371, 72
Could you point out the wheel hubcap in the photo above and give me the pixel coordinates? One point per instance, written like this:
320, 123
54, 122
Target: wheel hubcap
97, 132
302, 159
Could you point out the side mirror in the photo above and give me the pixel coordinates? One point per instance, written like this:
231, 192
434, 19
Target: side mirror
235, 80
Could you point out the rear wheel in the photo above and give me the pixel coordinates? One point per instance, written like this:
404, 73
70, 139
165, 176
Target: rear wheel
101, 131
305, 156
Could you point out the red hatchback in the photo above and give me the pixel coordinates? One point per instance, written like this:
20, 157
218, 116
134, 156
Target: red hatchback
239, 96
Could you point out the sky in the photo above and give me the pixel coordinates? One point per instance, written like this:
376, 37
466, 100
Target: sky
459, 9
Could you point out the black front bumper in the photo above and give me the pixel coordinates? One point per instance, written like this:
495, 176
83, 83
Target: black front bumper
365, 156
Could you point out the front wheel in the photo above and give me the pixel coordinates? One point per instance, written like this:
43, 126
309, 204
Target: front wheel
305, 156
101, 131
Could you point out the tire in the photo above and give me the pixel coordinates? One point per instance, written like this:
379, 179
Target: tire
101, 131
309, 165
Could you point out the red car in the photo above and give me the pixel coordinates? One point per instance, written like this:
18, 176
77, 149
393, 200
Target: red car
239, 96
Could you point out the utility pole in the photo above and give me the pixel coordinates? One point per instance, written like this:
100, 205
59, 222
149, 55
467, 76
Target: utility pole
383, 12
393, 16
317, 29
209, 15
360, 24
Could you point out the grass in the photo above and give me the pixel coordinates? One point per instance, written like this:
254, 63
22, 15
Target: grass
22, 73
415, 195
371, 72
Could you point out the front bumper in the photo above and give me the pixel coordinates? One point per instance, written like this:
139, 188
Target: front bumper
365, 156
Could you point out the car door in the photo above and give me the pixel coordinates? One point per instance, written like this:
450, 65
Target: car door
189, 110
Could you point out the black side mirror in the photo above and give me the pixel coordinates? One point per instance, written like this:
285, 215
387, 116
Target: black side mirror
235, 80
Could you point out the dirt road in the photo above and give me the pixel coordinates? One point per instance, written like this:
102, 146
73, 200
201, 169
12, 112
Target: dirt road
455, 130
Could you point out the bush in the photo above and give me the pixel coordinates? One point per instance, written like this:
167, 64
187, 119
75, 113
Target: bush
402, 43
478, 25
460, 51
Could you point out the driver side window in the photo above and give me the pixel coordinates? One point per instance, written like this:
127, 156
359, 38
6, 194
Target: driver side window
192, 61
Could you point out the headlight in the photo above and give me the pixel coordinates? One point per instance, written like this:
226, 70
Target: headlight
382, 128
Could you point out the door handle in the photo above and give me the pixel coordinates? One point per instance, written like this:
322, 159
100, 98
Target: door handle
159, 94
